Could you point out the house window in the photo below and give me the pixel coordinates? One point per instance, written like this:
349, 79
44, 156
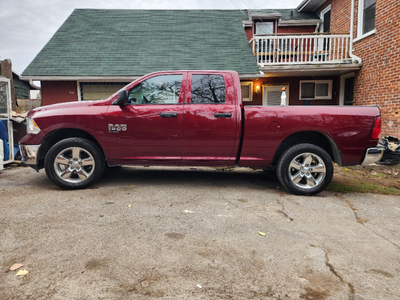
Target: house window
99, 90
247, 91
265, 28
366, 17
326, 19
272, 94
315, 89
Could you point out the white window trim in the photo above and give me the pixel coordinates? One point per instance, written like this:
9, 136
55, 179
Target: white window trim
250, 83
321, 16
360, 17
342, 82
280, 86
328, 97
372, 32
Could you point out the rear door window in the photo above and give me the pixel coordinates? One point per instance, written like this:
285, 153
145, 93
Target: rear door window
208, 89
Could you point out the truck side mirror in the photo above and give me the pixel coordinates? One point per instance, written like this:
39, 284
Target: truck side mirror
122, 98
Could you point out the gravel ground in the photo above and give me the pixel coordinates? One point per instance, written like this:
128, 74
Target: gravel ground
194, 233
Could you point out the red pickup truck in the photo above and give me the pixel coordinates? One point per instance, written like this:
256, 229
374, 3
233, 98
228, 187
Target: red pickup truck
197, 118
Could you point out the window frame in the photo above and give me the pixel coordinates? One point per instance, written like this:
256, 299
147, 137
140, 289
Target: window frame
328, 97
250, 84
360, 22
264, 22
322, 16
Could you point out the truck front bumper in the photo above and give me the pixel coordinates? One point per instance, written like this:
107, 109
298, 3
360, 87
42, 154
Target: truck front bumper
29, 155
373, 155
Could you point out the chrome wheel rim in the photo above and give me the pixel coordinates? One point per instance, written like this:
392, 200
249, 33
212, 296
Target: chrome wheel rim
307, 170
74, 165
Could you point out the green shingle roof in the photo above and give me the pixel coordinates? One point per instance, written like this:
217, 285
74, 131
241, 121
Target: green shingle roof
286, 14
95, 42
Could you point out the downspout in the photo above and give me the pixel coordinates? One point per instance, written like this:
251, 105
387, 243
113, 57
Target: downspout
317, 27
354, 57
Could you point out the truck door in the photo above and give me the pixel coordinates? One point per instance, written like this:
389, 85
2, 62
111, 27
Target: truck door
210, 119
149, 128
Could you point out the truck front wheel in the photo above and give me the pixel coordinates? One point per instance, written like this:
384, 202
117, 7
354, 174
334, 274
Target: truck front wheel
305, 169
74, 163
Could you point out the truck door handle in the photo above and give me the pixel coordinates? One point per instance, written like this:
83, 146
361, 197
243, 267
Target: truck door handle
223, 115
168, 115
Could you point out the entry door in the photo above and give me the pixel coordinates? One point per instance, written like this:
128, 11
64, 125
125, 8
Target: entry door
210, 120
348, 91
149, 128
272, 95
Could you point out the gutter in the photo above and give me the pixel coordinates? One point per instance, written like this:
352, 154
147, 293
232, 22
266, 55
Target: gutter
354, 57
34, 85
82, 78
303, 4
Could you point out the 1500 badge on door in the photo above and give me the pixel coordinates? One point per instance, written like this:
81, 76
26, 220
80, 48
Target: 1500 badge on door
117, 127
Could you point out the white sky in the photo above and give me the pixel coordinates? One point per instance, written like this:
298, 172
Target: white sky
26, 25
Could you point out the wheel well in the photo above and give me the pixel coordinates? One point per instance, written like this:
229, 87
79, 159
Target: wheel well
60, 134
310, 137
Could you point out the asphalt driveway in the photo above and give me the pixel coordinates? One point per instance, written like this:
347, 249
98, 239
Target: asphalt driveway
193, 233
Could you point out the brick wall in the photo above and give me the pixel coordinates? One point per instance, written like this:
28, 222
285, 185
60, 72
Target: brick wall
340, 15
378, 81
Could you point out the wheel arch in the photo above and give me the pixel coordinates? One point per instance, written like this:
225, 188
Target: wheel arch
310, 137
57, 135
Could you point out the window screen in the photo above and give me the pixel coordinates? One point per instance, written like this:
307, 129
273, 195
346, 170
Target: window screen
208, 89
274, 98
369, 15
245, 91
307, 90
265, 28
315, 89
3, 99
321, 90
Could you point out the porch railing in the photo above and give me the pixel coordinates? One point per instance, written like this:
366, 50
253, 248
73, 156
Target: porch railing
300, 49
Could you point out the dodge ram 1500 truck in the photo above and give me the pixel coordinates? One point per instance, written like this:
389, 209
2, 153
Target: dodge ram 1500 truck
197, 118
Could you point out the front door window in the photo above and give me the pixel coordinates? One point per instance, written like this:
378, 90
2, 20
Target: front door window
164, 89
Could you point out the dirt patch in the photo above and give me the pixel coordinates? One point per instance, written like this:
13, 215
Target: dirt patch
379, 180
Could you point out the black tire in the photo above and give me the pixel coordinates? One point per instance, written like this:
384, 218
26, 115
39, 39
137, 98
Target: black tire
305, 169
74, 163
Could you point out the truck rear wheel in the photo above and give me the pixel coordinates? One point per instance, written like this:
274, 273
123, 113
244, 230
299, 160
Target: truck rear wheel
74, 163
305, 169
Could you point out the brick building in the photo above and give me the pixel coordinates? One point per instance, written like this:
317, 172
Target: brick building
374, 26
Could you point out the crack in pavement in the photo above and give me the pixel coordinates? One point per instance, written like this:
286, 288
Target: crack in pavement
334, 272
363, 221
282, 211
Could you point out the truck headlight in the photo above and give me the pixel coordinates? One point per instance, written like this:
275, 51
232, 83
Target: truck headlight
31, 126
